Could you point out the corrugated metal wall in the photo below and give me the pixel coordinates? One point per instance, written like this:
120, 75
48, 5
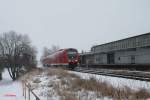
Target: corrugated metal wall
135, 50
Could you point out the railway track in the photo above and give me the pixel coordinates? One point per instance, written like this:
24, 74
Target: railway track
137, 75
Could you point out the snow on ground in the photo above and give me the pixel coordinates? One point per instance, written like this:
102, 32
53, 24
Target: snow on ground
50, 87
9, 87
42, 89
116, 81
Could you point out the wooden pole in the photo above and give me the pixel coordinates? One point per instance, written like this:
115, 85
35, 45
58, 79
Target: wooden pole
23, 87
25, 90
27, 87
29, 91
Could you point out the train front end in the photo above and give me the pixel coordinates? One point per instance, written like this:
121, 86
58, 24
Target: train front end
73, 58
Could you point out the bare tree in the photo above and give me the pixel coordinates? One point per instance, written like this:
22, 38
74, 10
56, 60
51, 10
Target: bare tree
49, 51
1, 68
16, 52
54, 48
0, 72
46, 52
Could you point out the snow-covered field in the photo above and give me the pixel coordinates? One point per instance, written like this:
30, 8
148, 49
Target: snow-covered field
10, 90
56, 87
51, 84
116, 81
54, 84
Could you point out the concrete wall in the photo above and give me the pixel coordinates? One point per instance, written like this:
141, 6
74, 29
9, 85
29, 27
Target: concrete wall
141, 55
100, 58
124, 57
132, 56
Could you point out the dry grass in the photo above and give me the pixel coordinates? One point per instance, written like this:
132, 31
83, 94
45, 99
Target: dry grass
101, 88
105, 89
37, 80
61, 73
33, 72
141, 94
70, 84
67, 95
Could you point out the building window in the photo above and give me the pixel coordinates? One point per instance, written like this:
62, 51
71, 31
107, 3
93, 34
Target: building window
119, 58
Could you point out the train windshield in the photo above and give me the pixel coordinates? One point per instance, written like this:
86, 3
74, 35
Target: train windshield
72, 53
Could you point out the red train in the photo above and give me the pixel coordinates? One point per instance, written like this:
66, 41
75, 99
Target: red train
65, 57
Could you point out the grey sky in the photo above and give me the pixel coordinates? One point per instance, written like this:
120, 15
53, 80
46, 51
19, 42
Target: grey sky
75, 23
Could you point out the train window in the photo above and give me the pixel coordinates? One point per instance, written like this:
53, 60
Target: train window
72, 53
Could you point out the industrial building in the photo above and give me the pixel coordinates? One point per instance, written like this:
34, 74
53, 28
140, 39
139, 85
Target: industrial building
133, 50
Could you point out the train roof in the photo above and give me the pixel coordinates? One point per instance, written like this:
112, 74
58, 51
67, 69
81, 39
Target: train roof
57, 51
70, 48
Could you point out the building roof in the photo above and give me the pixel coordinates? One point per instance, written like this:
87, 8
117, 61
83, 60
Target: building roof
122, 39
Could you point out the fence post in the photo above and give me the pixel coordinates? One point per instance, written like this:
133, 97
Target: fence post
25, 91
29, 91
37, 99
27, 88
22, 88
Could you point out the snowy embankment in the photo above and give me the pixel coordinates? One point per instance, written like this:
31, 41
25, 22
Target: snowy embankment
58, 84
10, 90
116, 81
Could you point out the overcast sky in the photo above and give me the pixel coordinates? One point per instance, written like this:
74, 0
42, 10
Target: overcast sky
75, 23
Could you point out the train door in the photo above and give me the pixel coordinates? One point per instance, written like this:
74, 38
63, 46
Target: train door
110, 58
